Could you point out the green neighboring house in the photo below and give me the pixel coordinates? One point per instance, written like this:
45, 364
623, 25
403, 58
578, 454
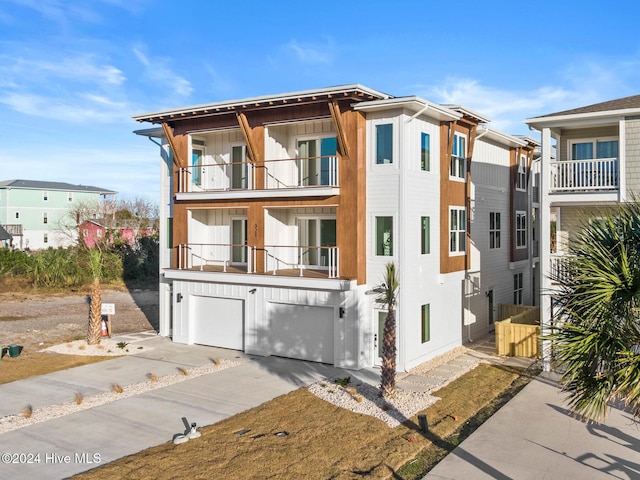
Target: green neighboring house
33, 211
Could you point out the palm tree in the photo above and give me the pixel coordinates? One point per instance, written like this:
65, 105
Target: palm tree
95, 309
596, 339
388, 295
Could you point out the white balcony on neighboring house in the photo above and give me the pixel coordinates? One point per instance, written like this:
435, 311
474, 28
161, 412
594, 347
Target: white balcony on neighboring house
290, 177
582, 181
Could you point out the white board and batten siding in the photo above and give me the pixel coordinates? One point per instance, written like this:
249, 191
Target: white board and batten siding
290, 322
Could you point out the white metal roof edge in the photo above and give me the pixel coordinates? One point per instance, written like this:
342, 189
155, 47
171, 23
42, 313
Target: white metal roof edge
278, 97
417, 102
502, 137
558, 120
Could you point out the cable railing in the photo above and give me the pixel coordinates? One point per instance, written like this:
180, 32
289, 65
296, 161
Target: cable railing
295, 257
285, 173
204, 256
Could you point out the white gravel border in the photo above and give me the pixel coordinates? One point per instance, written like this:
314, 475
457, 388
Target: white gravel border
14, 422
391, 411
108, 347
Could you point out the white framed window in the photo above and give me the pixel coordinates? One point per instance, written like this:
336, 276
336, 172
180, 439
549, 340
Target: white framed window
592, 148
517, 289
457, 230
85, 232
521, 179
425, 240
384, 236
521, 229
425, 311
318, 160
384, 143
45, 196
46, 238
70, 196
45, 218
17, 214
99, 233
458, 167
494, 230
425, 152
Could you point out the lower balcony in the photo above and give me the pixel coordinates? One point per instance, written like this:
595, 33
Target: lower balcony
291, 261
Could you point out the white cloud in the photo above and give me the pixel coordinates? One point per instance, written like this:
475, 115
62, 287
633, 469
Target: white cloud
158, 71
311, 54
78, 68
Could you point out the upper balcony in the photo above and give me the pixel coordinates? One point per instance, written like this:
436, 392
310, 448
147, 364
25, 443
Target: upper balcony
291, 177
582, 180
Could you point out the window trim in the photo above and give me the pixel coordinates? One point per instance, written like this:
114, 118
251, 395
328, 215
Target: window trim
45, 238
425, 323
45, 218
375, 236
425, 235
45, 195
594, 142
70, 196
518, 288
458, 231
494, 218
458, 160
375, 142
521, 174
425, 153
521, 214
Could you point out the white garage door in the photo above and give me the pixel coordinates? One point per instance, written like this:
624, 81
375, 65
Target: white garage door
217, 322
301, 331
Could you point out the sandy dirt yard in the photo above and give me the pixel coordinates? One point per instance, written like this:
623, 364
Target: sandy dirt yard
39, 321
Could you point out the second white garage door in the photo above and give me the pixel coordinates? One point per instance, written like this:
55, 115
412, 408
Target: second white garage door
301, 331
217, 322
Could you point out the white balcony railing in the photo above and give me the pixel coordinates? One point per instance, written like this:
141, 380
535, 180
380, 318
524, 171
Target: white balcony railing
279, 257
278, 174
216, 256
585, 175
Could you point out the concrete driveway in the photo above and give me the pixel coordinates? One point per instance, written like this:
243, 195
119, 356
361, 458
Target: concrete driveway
535, 437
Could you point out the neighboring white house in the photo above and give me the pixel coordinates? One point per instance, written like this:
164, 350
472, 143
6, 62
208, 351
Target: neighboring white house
597, 168
282, 212
32, 211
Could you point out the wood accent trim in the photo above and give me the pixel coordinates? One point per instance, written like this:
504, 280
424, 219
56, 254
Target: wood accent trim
246, 133
334, 108
178, 162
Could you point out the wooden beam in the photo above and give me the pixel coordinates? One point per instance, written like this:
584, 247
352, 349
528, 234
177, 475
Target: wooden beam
246, 133
170, 138
472, 141
334, 108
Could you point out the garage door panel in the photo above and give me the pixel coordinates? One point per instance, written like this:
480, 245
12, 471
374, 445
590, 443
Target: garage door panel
301, 331
218, 322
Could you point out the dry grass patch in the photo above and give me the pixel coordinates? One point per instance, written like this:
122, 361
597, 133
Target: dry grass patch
323, 441
31, 364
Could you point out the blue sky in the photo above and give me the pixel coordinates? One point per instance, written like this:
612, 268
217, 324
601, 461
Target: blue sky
72, 72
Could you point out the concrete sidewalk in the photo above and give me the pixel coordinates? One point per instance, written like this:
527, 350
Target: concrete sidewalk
535, 437
80, 441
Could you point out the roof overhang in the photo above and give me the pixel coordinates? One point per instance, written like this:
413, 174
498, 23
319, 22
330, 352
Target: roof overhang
578, 120
353, 92
500, 137
468, 113
414, 104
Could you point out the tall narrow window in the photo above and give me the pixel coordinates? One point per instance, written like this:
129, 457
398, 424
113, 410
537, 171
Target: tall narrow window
425, 240
426, 323
521, 229
425, 152
457, 230
70, 196
457, 168
17, 214
384, 144
45, 196
197, 156
384, 239
45, 218
517, 289
521, 180
494, 229
46, 238
239, 167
